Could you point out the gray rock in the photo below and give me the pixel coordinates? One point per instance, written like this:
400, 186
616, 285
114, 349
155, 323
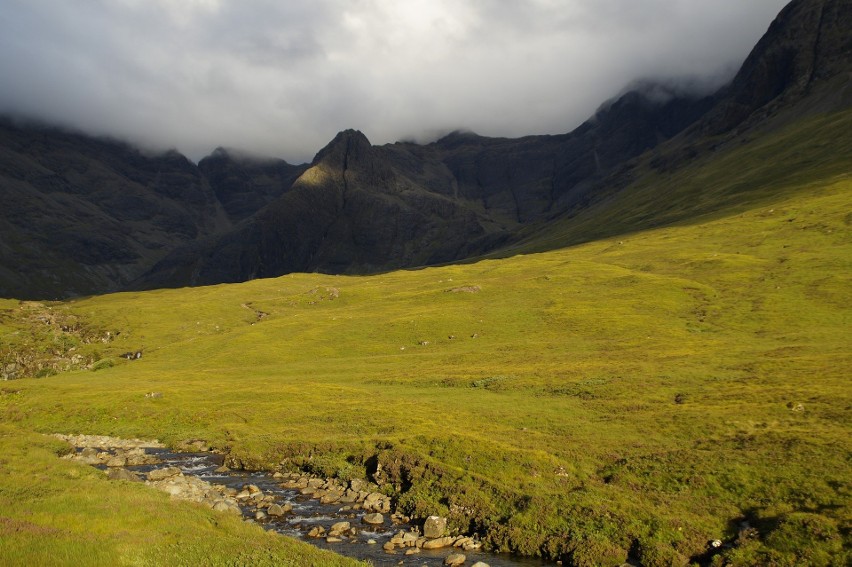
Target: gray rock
316, 531
329, 498
164, 473
117, 461
455, 559
434, 526
377, 502
438, 543
225, 506
339, 527
375, 519
349, 496
279, 509
89, 455
123, 474
480, 564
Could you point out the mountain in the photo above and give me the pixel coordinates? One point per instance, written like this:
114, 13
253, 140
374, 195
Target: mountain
92, 215
801, 65
83, 215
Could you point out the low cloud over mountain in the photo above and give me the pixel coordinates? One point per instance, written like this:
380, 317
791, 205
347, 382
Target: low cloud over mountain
280, 78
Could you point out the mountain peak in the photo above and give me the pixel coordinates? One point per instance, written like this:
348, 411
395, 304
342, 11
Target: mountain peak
346, 144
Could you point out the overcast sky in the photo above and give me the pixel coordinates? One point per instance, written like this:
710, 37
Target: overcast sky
282, 77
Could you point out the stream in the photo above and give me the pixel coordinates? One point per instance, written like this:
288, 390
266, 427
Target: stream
308, 513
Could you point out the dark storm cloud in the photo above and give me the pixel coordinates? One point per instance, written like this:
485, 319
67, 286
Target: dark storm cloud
282, 78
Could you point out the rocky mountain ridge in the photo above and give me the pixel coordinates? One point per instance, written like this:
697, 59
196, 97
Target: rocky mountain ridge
86, 215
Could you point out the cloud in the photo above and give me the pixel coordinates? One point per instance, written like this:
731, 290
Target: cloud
281, 78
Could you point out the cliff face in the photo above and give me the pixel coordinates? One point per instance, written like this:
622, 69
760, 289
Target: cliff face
360, 208
807, 52
85, 215
244, 184
82, 215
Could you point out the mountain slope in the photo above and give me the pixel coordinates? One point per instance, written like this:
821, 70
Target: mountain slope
82, 215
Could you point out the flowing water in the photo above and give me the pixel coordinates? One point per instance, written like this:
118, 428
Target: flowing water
308, 513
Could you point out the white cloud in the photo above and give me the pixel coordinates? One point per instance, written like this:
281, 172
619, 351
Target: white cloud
282, 78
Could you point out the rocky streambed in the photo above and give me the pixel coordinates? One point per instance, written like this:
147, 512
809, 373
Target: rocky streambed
352, 518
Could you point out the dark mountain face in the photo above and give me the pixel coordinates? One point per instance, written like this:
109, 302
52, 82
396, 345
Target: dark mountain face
244, 185
86, 216
805, 53
360, 208
82, 215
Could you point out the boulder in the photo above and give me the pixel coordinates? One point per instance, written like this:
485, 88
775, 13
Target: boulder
340, 527
349, 497
316, 531
377, 502
138, 456
330, 498
117, 461
455, 559
279, 509
225, 506
123, 474
438, 543
164, 473
480, 564
434, 526
375, 519
89, 455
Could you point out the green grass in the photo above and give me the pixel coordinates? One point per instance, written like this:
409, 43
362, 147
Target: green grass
57, 512
630, 394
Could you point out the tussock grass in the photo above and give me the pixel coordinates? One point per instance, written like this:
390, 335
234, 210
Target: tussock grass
639, 393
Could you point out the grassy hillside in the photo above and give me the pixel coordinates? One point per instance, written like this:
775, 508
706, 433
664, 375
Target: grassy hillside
641, 394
